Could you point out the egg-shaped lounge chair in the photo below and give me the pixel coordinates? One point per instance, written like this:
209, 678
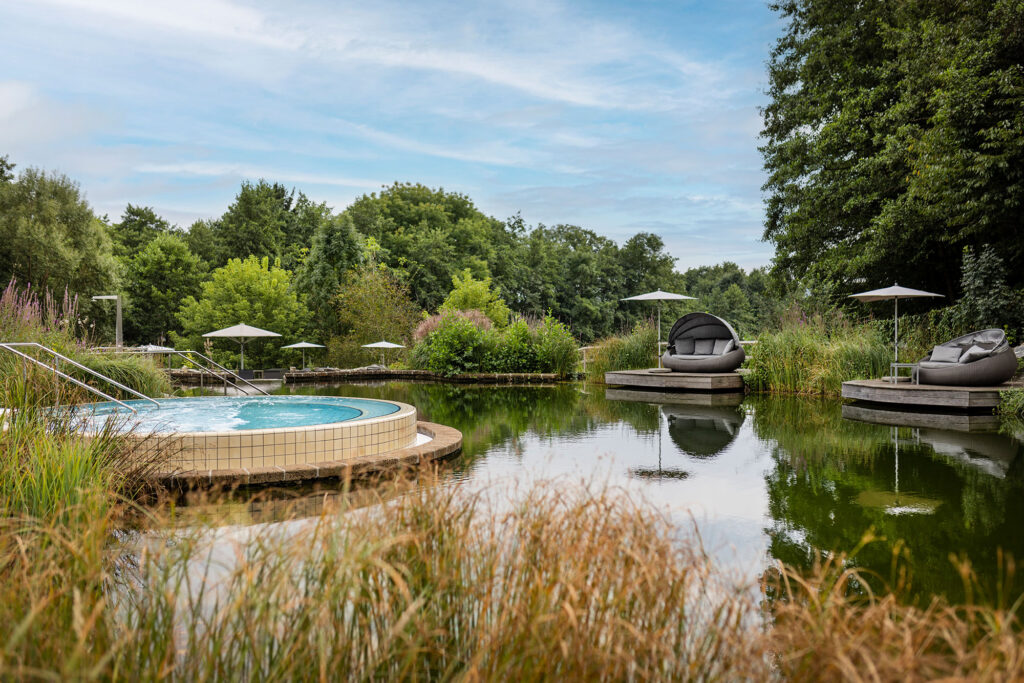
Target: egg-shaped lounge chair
701, 342
982, 358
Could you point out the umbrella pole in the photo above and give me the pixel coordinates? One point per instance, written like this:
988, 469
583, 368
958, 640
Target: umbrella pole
242, 365
896, 329
657, 351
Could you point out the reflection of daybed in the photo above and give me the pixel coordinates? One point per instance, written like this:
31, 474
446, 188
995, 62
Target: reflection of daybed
701, 342
703, 431
981, 358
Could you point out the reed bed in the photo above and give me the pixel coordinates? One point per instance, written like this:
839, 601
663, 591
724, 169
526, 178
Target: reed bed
815, 354
626, 352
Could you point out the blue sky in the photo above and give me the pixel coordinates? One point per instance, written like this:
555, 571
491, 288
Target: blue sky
618, 117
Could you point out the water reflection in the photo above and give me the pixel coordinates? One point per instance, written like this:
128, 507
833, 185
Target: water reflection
763, 478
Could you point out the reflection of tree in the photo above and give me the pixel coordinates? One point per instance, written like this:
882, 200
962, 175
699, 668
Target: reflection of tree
824, 464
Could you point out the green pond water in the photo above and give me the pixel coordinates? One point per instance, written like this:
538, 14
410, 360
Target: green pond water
761, 478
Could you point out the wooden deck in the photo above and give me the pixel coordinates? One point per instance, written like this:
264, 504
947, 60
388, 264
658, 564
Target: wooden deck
675, 381
703, 398
934, 396
957, 422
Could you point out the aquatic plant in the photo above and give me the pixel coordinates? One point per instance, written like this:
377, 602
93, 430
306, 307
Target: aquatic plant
816, 354
626, 352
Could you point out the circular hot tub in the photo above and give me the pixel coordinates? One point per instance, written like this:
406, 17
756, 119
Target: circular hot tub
255, 432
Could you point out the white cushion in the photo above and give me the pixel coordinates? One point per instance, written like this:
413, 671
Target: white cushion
945, 354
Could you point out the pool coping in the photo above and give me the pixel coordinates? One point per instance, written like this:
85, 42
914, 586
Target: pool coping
445, 441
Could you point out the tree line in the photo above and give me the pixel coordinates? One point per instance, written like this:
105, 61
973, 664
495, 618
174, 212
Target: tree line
276, 258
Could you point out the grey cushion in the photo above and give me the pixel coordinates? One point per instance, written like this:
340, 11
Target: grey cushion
936, 365
723, 346
704, 347
684, 347
974, 353
945, 354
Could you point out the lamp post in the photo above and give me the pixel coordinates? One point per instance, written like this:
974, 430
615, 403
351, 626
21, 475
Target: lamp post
118, 336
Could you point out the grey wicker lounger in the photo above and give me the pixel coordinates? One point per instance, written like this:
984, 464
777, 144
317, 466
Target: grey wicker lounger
701, 342
982, 358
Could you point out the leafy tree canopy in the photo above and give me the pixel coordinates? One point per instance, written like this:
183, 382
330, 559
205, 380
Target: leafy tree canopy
49, 237
250, 291
139, 225
337, 248
895, 138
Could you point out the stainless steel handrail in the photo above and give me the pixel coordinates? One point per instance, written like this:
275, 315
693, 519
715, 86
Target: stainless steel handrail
82, 367
68, 377
221, 367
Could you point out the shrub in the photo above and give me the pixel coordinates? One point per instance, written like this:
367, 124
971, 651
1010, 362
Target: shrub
557, 349
627, 352
455, 342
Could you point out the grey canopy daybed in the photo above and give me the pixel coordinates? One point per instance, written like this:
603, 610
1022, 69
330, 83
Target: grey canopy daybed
701, 342
982, 358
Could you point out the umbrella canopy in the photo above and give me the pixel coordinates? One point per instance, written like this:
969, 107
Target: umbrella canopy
241, 334
304, 345
659, 296
382, 345
895, 293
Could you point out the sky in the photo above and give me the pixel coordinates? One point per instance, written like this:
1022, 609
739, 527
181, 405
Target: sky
616, 116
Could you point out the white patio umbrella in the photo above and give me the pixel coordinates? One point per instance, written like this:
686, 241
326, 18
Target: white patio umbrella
304, 345
659, 296
382, 345
241, 334
895, 293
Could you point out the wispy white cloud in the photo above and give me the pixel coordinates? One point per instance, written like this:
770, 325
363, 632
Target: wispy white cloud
241, 171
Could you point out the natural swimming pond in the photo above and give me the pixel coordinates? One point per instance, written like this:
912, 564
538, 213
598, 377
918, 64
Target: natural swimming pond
768, 478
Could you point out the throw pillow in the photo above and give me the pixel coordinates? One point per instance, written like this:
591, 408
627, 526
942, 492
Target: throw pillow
684, 347
723, 346
974, 353
945, 354
703, 347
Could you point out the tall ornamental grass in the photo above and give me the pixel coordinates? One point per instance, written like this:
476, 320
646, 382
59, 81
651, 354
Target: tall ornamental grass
30, 316
438, 584
626, 352
50, 467
816, 354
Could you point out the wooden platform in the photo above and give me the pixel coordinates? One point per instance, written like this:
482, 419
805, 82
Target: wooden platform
676, 381
909, 394
957, 422
679, 398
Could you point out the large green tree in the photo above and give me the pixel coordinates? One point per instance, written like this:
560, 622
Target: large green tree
157, 279
895, 138
250, 291
336, 249
267, 219
49, 237
430, 235
139, 225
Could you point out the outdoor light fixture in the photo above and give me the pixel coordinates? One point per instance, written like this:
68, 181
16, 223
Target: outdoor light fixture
118, 337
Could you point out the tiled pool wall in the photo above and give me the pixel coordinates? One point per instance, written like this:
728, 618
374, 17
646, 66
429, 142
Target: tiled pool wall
256, 448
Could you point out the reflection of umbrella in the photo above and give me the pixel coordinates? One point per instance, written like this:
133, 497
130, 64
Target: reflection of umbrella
895, 293
241, 334
659, 296
382, 345
896, 503
304, 345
